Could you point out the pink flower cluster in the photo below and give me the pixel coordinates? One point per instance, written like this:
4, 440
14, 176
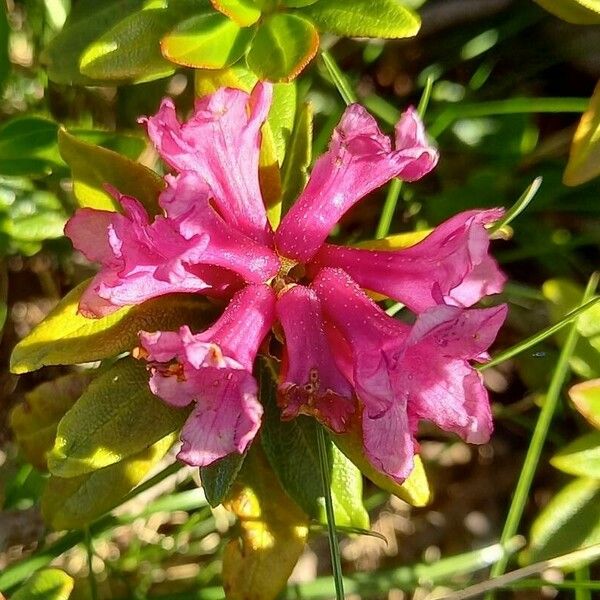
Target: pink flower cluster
344, 359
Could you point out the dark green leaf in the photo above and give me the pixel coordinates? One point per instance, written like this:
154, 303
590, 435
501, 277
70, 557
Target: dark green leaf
116, 416
363, 18
4, 61
218, 478
283, 45
294, 173
209, 41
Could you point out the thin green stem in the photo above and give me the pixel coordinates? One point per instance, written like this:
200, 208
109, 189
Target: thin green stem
539, 436
538, 337
90, 559
339, 79
333, 541
519, 206
391, 200
582, 578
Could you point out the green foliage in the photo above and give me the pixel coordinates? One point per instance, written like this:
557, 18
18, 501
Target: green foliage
586, 398
243, 12
581, 457
580, 12
65, 337
218, 478
4, 62
116, 416
47, 584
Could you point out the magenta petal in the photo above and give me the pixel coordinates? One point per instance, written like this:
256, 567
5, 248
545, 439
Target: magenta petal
311, 382
225, 419
451, 265
87, 229
221, 143
359, 160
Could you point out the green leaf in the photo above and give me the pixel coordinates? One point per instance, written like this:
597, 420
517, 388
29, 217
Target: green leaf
47, 584
292, 450
570, 521
415, 490
281, 117
563, 296
586, 398
65, 337
209, 41
116, 416
87, 21
363, 18
294, 173
584, 157
4, 60
34, 421
3, 296
77, 501
130, 51
579, 12
92, 167
581, 457
242, 12
283, 45
218, 478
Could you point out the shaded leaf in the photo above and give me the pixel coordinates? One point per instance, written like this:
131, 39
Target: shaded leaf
242, 12
116, 416
584, 157
4, 61
65, 337
34, 421
571, 520
218, 477
564, 296
586, 398
579, 12
3, 296
77, 501
294, 172
273, 534
415, 490
92, 167
46, 584
86, 22
283, 45
363, 18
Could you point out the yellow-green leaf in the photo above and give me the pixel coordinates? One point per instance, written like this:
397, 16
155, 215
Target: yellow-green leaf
116, 416
46, 584
243, 12
273, 534
65, 337
396, 241
206, 41
415, 490
77, 501
35, 420
283, 45
579, 12
586, 398
92, 167
584, 157
581, 457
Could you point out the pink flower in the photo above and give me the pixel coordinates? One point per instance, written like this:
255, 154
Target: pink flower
343, 358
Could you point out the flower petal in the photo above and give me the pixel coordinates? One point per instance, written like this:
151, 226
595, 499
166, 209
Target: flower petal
451, 265
311, 382
359, 160
221, 143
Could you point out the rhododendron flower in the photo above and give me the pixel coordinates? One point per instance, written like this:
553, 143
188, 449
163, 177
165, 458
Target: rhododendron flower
343, 358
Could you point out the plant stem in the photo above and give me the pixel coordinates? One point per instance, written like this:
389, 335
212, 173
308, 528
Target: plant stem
539, 436
333, 541
90, 556
339, 79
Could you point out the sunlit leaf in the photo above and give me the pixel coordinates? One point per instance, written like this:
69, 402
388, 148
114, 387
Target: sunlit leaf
579, 12
580, 457
571, 520
92, 167
218, 477
283, 45
65, 337
77, 501
116, 416
363, 18
584, 158
415, 490
47, 584
242, 12
209, 41
34, 421
273, 534
586, 398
